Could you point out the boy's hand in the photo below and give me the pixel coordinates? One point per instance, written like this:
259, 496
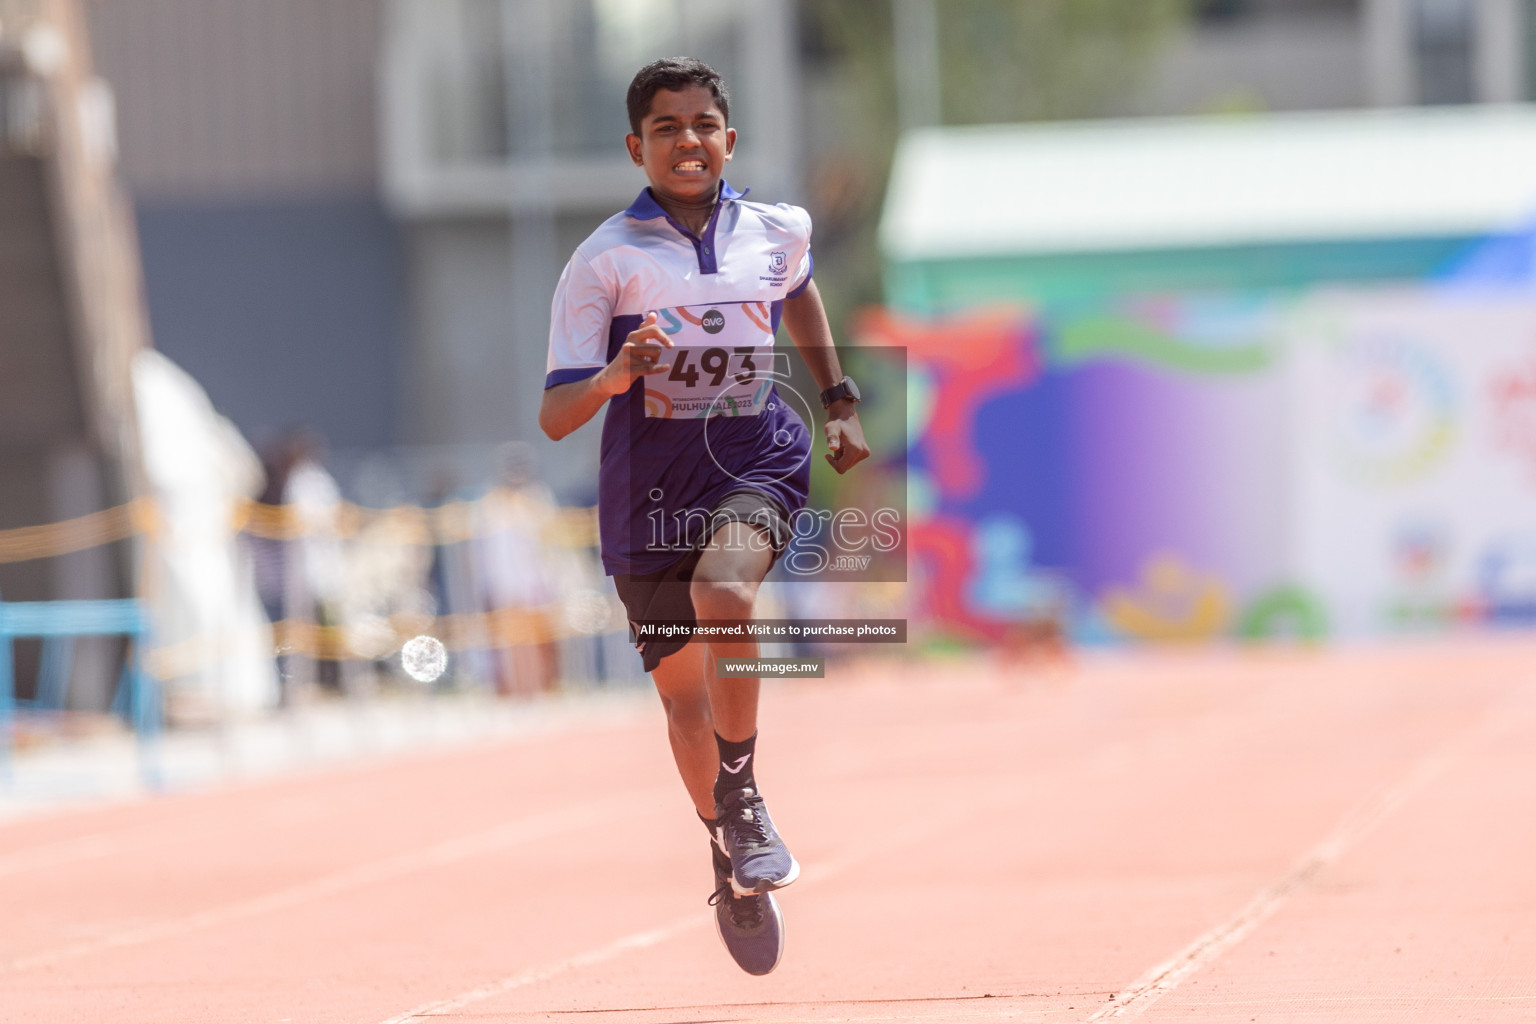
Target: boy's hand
640, 355
845, 438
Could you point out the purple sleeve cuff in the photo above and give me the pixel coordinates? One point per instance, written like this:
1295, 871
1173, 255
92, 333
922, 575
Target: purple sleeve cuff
570, 376
800, 288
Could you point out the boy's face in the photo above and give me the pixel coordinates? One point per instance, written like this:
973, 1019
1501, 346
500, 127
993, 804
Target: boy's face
684, 143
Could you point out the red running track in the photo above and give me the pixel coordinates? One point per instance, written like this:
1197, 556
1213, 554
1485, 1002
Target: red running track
1207, 837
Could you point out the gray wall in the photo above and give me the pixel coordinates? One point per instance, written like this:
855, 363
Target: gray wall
1274, 57
286, 311
474, 369
228, 99
248, 139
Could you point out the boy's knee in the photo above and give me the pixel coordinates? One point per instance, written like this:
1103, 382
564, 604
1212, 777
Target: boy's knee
687, 713
722, 599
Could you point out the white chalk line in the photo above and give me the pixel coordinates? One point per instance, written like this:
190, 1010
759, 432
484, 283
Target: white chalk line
813, 875
106, 844
501, 837
1110, 759
1351, 829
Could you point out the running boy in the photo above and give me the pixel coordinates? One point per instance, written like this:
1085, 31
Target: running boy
667, 316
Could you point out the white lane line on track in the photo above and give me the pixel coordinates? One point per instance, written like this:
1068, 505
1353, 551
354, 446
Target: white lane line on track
501, 837
1351, 829
592, 957
1110, 759
813, 875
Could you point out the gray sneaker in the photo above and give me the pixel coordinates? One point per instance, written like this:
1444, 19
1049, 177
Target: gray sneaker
760, 862
751, 927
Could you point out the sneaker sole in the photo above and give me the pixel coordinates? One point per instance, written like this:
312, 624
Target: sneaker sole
768, 884
778, 957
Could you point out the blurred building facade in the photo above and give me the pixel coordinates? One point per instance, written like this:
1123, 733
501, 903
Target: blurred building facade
1242, 55
71, 323
353, 213
273, 272
1321, 54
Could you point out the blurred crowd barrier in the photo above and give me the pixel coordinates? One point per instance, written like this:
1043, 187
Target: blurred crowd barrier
325, 593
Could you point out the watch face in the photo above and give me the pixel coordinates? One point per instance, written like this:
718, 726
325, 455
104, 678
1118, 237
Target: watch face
844, 388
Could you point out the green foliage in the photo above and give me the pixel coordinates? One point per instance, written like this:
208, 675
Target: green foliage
1000, 61
1026, 60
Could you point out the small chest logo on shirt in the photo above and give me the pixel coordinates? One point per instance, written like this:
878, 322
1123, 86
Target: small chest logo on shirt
713, 321
778, 268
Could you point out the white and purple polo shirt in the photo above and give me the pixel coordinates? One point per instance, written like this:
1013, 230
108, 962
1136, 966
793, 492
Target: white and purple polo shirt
675, 443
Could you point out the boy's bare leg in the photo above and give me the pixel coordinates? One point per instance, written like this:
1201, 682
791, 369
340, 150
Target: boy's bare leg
697, 704
724, 587
680, 682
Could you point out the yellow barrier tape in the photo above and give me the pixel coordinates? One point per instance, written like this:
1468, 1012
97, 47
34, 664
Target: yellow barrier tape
506, 627
451, 523
70, 535
406, 524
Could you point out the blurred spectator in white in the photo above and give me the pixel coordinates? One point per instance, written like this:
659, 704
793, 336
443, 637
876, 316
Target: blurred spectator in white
299, 573
386, 593
214, 650
517, 587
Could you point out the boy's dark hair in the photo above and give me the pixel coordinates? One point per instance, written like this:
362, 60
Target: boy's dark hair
673, 73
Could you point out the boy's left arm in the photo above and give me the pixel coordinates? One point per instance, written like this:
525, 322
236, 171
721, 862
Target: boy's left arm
806, 320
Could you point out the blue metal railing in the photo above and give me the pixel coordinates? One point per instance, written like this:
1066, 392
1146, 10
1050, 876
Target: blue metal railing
58, 623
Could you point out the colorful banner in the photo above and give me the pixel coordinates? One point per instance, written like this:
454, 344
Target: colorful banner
1191, 468
1414, 458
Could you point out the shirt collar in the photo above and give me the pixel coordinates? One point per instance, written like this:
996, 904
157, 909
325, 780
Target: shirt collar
645, 206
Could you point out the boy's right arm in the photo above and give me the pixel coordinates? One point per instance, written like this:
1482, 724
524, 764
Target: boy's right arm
565, 407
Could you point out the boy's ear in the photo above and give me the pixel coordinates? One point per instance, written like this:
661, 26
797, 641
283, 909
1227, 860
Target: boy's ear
632, 143
730, 142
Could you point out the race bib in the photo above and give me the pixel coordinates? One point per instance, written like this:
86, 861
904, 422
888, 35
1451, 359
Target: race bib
723, 363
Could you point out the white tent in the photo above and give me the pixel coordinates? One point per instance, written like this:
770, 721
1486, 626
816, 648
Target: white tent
1186, 183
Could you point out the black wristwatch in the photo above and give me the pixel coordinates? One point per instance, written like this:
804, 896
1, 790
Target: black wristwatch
844, 388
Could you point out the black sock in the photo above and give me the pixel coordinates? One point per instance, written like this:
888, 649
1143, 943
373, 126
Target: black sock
735, 765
